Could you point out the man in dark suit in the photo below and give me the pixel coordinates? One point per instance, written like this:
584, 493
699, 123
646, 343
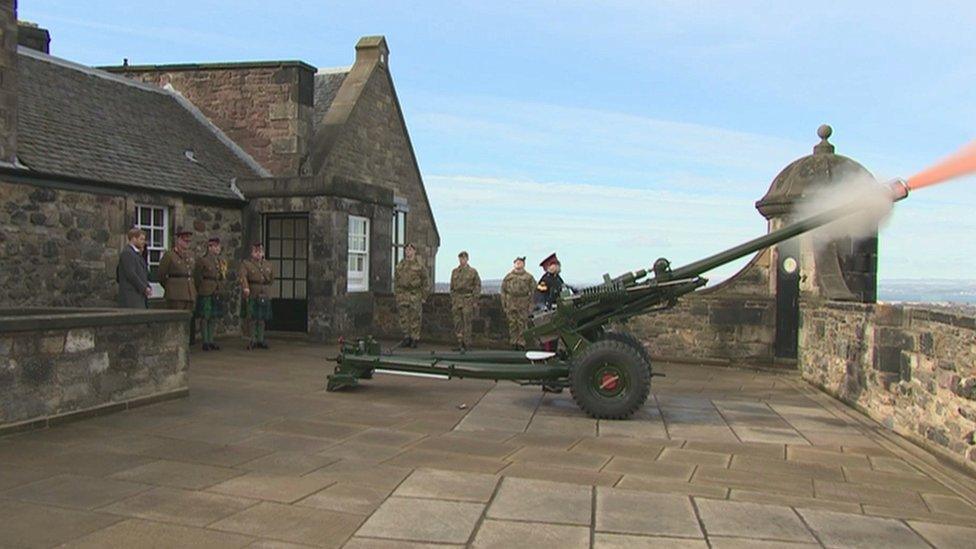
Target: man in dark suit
132, 273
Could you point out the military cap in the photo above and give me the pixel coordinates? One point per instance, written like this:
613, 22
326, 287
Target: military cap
257, 244
522, 259
180, 233
463, 254
410, 245
213, 240
549, 261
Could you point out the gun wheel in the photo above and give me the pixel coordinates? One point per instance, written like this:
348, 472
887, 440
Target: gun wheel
610, 380
631, 340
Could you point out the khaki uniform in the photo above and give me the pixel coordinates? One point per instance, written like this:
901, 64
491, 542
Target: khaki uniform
210, 275
465, 289
256, 276
410, 287
176, 276
518, 289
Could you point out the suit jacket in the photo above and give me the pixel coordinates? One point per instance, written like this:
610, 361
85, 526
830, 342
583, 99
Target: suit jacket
132, 275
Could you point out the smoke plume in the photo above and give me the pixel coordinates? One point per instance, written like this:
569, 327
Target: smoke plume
872, 205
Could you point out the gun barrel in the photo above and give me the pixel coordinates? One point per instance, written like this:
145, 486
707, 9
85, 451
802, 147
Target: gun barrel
898, 189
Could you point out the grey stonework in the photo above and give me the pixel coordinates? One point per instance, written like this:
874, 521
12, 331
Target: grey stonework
489, 326
911, 368
8, 81
58, 362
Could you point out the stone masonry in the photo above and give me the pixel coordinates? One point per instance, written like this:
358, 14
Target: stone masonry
266, 108
57, 362
911, 368
8, 81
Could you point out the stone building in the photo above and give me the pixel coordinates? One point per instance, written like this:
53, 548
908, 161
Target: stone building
318, 165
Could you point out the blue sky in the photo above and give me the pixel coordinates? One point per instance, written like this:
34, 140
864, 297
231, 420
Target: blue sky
615, 132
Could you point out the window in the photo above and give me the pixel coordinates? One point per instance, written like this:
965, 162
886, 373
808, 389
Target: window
358, 272
287, 250
399, 233
154, 220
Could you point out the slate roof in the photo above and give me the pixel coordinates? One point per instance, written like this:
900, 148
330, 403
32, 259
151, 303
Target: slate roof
326, 87
82, 122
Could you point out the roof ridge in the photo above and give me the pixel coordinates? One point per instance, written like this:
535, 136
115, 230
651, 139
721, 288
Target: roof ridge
218, 133
333, 70
91, 71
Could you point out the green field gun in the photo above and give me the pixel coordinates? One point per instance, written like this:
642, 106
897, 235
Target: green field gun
607, 371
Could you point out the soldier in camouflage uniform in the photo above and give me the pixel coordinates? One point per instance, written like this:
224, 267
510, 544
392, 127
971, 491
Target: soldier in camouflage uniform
176, 276
256, 276
210, 276
410, 287
465, 289
518, 288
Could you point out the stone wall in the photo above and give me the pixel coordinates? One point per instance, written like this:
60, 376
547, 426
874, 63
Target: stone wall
8, 81
60, 247
266, 108
56, 364
912, 369
731, 323
489, 327
376, 149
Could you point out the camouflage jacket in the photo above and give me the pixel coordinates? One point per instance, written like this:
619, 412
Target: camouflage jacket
257, 276
210, 275
465, 282
176, 276
517, 287
410, 279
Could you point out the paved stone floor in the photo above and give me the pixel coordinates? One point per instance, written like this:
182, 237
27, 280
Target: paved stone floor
259, 455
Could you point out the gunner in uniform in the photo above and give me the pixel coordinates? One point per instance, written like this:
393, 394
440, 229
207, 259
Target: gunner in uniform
256, 276
176, 276
210, 277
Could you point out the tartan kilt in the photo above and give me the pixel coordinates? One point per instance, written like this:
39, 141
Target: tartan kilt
256, 308
210, 306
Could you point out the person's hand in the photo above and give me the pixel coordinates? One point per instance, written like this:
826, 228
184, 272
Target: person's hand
247, 292
148, 291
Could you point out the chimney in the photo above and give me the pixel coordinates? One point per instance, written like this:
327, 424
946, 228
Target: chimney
8, 81
34, 37
372, 49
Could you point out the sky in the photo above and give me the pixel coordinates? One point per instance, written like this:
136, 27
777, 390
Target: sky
615, 132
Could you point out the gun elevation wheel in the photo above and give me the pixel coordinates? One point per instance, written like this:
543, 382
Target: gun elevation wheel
610, 380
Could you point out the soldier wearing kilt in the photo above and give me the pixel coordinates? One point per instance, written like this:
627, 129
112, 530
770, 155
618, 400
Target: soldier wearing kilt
256, 276
176, 276
210, 276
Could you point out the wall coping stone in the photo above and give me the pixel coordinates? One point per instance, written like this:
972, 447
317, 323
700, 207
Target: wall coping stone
225, 65
58, 318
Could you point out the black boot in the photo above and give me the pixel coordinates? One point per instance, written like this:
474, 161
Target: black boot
406, 342
414, 342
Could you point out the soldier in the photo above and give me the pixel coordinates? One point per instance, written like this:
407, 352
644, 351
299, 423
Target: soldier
551, 284
176, 276
256, 276
410, 287
210, 275
132, 273
517, 290
465, 289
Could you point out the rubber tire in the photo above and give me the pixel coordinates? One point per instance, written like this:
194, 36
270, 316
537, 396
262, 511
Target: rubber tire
630, 339
623, 356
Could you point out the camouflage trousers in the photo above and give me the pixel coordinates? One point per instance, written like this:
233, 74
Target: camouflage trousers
518, 320
409, 309
462, 309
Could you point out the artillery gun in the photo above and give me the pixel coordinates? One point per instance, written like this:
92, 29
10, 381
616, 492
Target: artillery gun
608, 372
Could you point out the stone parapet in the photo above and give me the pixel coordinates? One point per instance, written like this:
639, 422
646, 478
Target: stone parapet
489, 327
59, 364
911, 368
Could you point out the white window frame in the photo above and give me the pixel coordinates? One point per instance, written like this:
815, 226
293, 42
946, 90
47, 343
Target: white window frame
399, 240
147, 225
357, 280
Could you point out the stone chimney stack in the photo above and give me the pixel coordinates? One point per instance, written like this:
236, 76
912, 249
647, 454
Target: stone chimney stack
30, 35
372, 49
8, 81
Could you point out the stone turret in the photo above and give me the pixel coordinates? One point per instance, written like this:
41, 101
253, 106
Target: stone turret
844, 269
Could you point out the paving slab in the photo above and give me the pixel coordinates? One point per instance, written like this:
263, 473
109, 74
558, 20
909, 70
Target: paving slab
950, 505
661, 469
697, 457
280, 488
448, 485
75, 491
543, 440
794, 501
496, 534
645, 449
633, 428
571, 475
751, 480
542, 501
11, 476
381, 476
373, 543
633, 512
560, 458
671, 486
153, 535
188, 507
444, 460
757, 449
425, 520
292, 523
743, 543
754, 520
347, 498
786, 467
178, 474
833, 458
603, 540
469, 445
863, 493
847, 530
379, 436
29, 525
361, 452
944, 536
287, 463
